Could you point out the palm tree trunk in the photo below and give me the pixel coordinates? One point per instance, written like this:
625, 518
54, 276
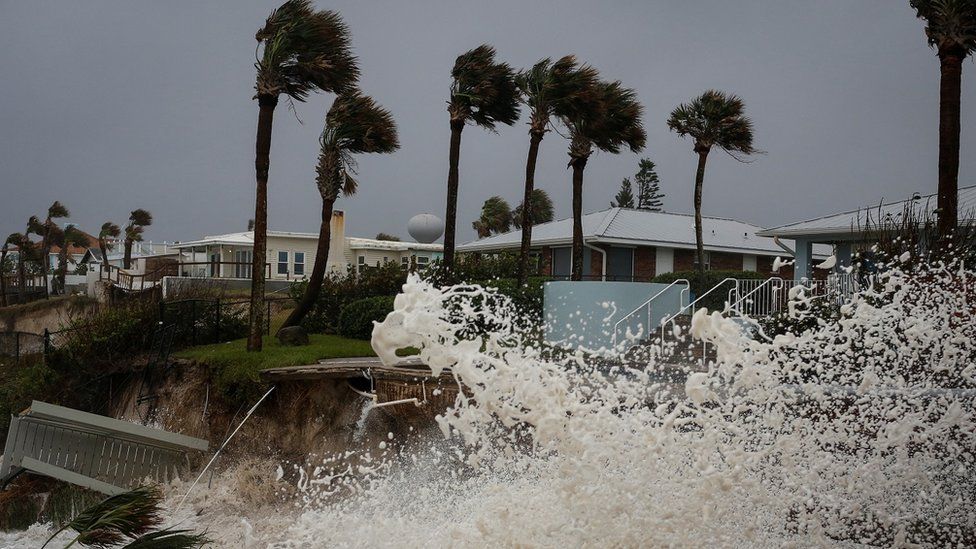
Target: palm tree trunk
3, 278
318, 270
699, 181
127, 257
578, 164
62, 267
450, 216
262, 164
523, 265
22, 272
104, 249
950, 88
46, 266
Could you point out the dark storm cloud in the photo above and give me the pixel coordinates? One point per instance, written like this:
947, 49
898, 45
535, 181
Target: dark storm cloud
109, 106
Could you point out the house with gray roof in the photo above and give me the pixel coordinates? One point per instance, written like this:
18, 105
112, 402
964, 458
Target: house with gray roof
625, 244
858, 228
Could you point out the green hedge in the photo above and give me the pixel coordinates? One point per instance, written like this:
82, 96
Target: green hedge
716, 300
356, 319
339, 290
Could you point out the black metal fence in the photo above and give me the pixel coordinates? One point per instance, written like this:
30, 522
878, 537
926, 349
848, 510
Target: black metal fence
17, 345
192, 322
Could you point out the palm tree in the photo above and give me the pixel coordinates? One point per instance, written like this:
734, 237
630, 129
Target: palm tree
139, 219
540, 212
25, 249
3, 270
951, 30
483, 92
717, 119
354, 125
70, 236
549, 89
304, 51
496, 217
612, 122
49, 231
108, 230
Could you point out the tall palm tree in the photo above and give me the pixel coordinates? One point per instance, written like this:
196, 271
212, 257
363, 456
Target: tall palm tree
951, 30
108, 230
49, 231
496, 217
304, 51
483, 92
354, 125
70, 236
541, 210
139, 219
713, 119
549, 89
25, 249
3, 270
609, 124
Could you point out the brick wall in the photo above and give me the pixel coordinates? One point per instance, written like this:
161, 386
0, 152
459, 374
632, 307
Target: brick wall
596, 262
645, 263
723, 261
684, 260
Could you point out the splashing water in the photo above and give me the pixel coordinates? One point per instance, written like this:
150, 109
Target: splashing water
859, 429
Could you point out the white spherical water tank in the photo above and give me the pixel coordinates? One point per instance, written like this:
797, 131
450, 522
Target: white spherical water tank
425, 228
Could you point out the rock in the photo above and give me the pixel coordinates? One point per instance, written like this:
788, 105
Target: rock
294, 336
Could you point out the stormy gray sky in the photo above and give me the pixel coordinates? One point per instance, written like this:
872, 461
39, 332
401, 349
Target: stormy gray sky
109, 106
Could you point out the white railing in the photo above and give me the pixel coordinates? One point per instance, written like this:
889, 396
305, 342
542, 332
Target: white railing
758, 297
671, 319
647, 304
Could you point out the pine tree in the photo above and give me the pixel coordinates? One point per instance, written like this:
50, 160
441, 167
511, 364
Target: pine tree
625, 196
649, 193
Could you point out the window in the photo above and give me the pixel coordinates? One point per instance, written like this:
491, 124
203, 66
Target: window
405, 262
299, 268
562, 261
242, 263
422, 262
361, 261
282, 263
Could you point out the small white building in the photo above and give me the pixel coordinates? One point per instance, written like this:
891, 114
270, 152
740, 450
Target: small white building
291, 255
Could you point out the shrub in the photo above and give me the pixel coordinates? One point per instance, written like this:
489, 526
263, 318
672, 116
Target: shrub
356, 319
716, 300
338, 290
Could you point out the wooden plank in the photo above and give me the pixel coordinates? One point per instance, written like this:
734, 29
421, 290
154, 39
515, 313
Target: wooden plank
348, 368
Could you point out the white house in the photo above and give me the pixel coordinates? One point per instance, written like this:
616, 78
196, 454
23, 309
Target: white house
291, 255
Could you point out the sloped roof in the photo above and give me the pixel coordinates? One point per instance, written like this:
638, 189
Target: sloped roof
855, 222
645, 228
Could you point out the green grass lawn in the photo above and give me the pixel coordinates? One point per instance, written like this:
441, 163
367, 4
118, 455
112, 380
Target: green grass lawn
274, 355
235, 370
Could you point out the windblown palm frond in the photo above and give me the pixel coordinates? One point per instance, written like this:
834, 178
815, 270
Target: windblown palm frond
139, 219
169, 539
561, 88
483, 91
496, 217
109, 230
355, 124
950, 24
116, 518
714, 119
57, 210
542, 210
610, 123
304, 50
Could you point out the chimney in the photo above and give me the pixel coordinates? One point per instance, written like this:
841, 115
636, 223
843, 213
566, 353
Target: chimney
337, 243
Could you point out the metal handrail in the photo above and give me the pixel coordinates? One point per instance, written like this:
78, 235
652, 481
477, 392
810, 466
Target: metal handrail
735, 306
647, 304
667, 319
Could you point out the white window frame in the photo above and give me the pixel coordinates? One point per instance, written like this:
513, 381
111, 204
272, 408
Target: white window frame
298, 267
282, 263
